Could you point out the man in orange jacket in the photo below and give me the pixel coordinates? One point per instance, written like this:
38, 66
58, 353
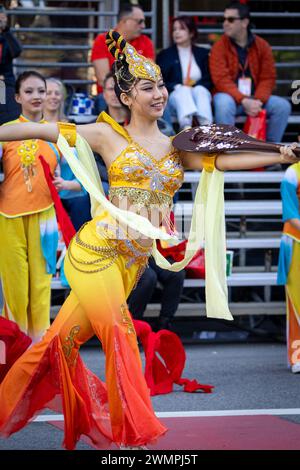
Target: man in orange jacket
243, 73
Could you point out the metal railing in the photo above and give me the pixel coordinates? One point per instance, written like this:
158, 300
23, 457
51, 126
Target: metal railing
219, 14
98, 17
102, 14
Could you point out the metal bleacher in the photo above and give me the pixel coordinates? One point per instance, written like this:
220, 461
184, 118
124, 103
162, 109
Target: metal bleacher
57, 36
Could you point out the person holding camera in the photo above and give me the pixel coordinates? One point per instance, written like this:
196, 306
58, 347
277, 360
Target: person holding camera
10, 48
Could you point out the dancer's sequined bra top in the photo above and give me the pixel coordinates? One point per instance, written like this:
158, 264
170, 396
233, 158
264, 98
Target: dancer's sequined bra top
137, 175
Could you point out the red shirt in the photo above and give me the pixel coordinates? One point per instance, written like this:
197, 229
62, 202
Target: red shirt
142, 44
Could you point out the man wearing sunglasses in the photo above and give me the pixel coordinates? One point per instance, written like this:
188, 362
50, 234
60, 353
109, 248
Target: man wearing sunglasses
243, 73
131, 22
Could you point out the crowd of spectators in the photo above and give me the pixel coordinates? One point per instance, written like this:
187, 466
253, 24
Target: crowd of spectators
238, 71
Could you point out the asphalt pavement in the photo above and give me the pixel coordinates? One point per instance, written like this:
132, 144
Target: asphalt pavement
249, 379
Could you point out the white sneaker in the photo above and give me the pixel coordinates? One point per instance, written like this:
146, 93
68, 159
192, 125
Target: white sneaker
296, 368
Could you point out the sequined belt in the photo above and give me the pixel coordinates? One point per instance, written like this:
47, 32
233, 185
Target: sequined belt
141, 197
108, 254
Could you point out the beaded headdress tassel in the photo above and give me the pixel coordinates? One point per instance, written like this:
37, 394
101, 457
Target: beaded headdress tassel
138, 65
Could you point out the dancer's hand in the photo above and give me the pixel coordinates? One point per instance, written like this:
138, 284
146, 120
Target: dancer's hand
287, 154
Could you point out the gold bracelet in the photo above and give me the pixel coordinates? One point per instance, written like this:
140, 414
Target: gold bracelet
68, 131
209, 163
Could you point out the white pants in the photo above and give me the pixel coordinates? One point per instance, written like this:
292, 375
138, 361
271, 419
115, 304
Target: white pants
191, 101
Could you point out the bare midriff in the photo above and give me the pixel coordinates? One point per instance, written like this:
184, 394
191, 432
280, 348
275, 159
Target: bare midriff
155, 215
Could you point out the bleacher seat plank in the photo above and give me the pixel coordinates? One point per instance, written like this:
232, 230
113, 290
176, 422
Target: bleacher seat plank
198, 309
241, 279
235, 208
236, 279
253, 243
237, 308
240, 177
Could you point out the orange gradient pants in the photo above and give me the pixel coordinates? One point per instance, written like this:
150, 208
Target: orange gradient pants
51, 374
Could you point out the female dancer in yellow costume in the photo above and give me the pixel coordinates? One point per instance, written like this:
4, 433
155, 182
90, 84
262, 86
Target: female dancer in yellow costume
107, 256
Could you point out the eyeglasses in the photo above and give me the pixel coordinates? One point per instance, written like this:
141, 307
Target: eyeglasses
141, 21
231, 19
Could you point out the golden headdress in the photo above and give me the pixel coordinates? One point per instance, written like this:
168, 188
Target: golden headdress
138, 65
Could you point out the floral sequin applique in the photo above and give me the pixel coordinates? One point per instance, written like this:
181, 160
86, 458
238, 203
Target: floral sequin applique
27, 153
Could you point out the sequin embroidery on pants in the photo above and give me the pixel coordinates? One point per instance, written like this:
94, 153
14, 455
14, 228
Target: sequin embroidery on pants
126, 320
69, 344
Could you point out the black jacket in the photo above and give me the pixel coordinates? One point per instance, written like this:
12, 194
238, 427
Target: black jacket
11, 49
168, 60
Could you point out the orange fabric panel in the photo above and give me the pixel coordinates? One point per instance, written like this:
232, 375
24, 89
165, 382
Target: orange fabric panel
15, 199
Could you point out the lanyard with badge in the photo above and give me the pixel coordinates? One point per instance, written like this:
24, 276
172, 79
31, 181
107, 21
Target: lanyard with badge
188, 81
244, 83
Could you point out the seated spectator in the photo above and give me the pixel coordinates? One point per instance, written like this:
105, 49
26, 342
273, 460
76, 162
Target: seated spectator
74, 197
185, 71
119, 113
172, 285
243, 73
10, 48
131, 22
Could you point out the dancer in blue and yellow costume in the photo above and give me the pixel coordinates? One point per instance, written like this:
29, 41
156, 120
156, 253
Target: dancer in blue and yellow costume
289, 262
107, 256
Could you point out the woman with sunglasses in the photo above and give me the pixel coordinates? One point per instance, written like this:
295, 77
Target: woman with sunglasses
108, 255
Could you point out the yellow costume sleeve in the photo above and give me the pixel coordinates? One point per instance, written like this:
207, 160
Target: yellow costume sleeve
68, 130
208, 223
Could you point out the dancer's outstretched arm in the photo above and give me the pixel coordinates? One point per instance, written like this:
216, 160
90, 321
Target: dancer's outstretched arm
29, 130
241, 160
93, 133
250, 160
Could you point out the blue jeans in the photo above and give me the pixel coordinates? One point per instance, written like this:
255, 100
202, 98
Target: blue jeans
167, 116
278, 110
